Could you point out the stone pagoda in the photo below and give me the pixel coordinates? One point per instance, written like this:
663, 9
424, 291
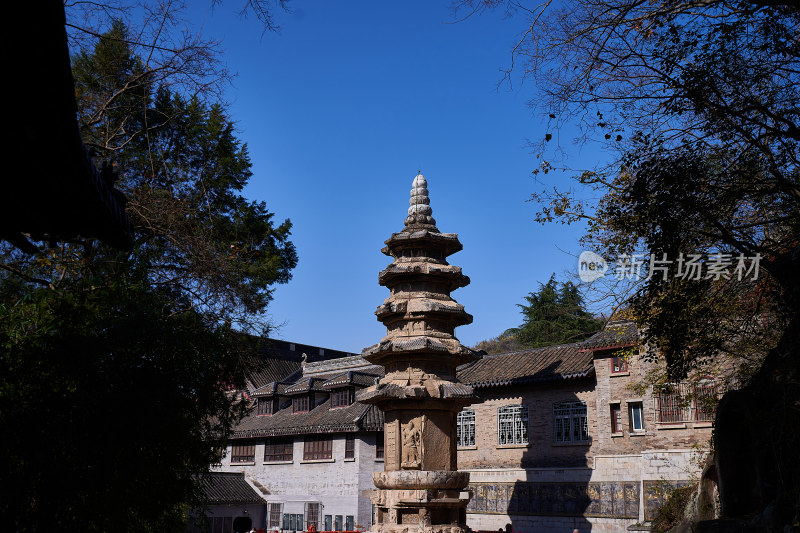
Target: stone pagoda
420, 489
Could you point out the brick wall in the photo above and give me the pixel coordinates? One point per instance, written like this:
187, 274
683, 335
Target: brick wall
619, 388
661, 452
541, 449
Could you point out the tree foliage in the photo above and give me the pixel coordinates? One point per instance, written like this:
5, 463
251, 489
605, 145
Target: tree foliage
108, 396
553, 315
116, 368
697, 105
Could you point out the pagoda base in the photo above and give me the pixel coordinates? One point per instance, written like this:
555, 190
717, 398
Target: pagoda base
421, 510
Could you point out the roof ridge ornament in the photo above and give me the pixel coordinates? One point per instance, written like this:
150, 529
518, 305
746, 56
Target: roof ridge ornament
420, 211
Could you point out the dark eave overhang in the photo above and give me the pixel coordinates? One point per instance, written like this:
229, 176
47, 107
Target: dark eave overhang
56, 192
602, 348
571, 376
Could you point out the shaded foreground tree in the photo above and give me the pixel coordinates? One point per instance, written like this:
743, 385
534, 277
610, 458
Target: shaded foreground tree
698, 104
116, 367
553, 315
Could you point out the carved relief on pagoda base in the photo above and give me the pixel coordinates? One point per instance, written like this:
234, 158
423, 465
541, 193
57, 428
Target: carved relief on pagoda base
415, 511
392, 499
412, 444
419, 439
412, 528
421, 479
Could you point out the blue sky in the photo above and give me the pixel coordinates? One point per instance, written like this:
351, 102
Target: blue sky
339, 111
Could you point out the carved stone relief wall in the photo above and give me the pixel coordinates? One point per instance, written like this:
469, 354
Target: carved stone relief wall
606, 499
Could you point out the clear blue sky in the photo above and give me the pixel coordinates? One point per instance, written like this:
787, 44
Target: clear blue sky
339, 111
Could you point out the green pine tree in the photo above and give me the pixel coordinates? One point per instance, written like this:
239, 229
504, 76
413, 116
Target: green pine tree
554, 315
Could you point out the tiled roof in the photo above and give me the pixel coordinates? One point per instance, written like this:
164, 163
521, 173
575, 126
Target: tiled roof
320, 419
551, 363
271, 389
372, 419
283, 361
62, 195
351, 377
616, 334
272, 370
229, 488
305, 385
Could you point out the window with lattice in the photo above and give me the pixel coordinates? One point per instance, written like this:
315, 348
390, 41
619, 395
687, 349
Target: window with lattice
316, 448
274, 515
300, 404
312, 514
341, 398
265, 406
512, 425
278, 450
465, 428
570, 422
243, 453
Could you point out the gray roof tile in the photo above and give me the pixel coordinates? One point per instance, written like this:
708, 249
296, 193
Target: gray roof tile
551, 363
616, 334
320, 419
229, 488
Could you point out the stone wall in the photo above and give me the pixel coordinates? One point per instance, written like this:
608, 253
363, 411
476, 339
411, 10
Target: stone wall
619, 491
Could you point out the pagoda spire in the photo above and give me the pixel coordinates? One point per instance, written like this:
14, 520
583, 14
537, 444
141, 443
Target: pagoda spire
420, 211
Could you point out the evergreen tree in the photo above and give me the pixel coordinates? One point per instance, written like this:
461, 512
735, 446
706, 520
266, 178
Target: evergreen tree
554, 315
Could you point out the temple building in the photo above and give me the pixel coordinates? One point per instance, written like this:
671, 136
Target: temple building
420, 489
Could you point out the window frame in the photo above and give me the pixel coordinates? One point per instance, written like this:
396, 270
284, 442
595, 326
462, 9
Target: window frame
317, 448
301, 403
465, 428
342, 397
379, 446
512, 425
615, 411
571, 422
293, 519
636, 406
271, 447
265, 406
619, 364
670, 405
271, 512
701, 391
350, 446
243, 453
312, 514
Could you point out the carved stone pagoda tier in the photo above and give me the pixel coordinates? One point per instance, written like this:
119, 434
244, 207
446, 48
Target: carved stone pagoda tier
420, 489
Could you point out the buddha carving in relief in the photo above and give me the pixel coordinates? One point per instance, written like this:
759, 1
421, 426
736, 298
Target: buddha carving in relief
412, 444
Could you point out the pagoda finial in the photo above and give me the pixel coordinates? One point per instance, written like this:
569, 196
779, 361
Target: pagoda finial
420, 210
